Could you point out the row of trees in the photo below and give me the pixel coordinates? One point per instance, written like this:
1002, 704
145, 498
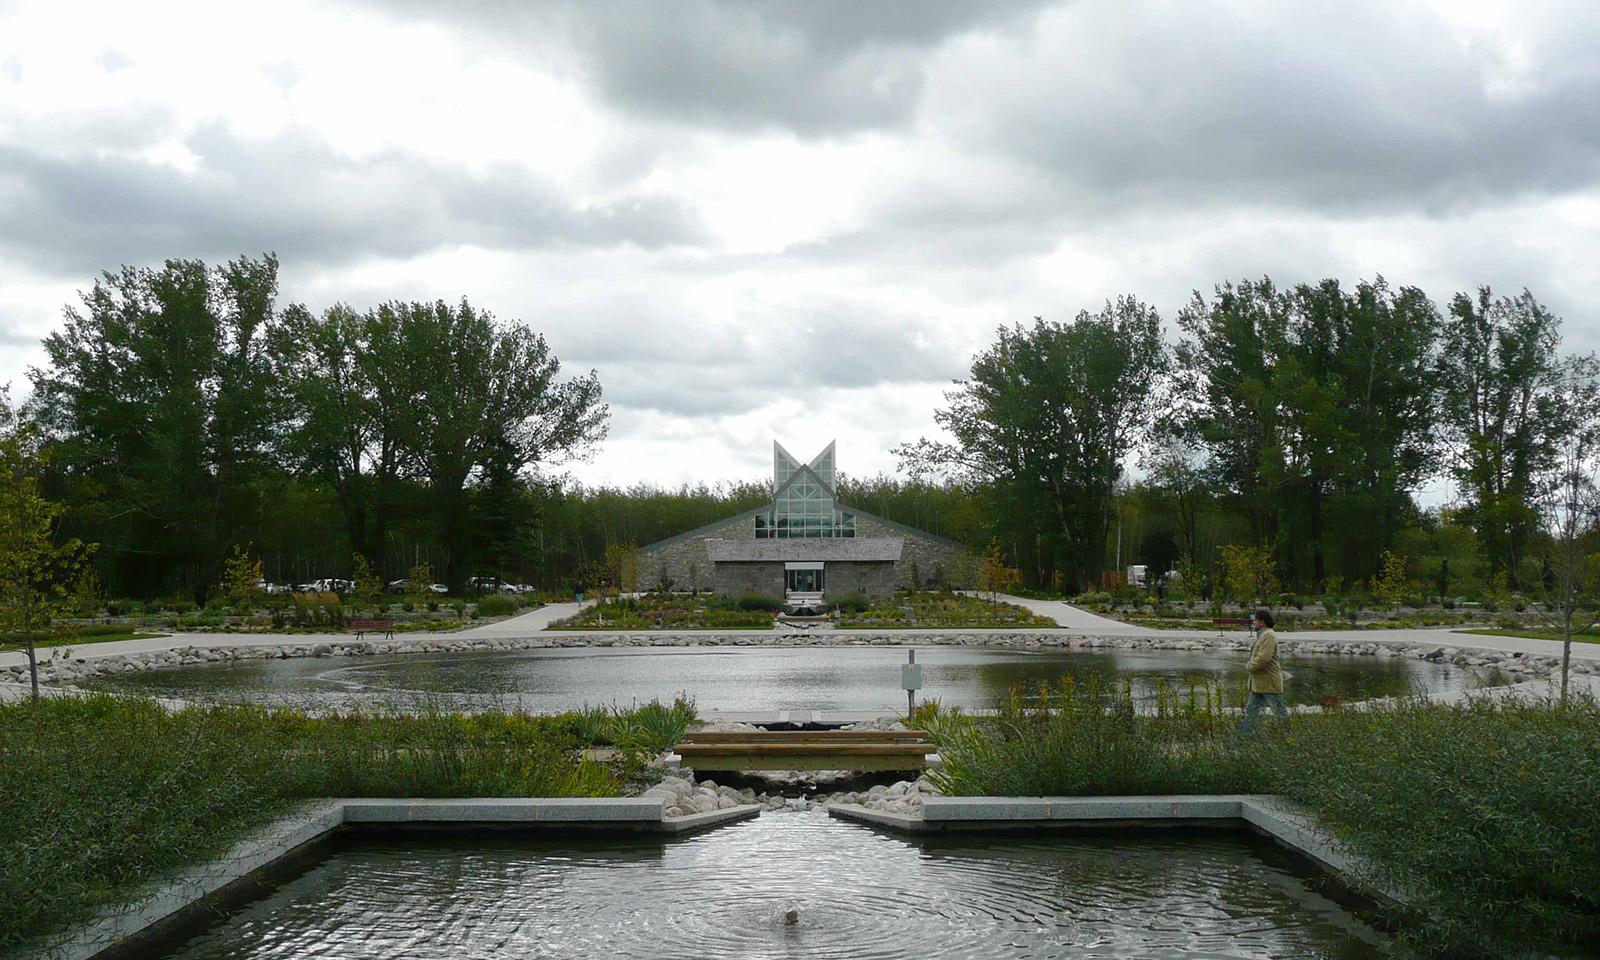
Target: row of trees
188, 412
184, 413
1302, 421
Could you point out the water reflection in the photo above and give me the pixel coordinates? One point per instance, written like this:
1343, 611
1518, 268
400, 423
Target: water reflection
855, 893
768, 678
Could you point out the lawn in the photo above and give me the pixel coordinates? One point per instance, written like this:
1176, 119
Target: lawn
1590, 637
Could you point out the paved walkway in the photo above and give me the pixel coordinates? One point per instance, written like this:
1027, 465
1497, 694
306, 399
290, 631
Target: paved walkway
1073, 619
1079, 620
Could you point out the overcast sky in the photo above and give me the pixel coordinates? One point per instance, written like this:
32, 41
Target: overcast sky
796, 220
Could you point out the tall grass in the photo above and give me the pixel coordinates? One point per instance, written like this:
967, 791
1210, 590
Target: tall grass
1484, 815
100, 794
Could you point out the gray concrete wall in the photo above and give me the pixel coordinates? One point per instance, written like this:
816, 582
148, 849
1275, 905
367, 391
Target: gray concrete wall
735, 579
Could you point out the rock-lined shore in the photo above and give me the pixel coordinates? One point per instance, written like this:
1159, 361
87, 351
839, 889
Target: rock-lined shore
59, 668
686, 798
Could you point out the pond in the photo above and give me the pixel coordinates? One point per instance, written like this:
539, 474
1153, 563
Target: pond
730, 679
856, 893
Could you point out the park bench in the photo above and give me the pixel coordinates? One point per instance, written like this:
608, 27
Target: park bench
386, 627
807, 750
1221, 622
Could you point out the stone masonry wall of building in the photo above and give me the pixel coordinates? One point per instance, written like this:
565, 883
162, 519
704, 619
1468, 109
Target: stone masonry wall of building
736, 579
923, 557
685, 561
873, 579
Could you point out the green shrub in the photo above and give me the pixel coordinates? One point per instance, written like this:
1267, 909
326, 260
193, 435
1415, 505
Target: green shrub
851, 602
497, 606
760, 601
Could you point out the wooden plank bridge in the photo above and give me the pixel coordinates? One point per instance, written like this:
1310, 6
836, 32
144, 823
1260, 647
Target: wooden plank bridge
807, 750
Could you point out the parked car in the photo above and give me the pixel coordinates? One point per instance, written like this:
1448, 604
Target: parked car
491, 585
327, 585
439, 588
271, 589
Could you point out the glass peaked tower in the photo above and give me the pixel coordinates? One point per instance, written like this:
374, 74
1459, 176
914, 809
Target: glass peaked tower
803, 505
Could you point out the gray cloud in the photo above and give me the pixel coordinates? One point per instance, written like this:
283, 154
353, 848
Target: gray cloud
1344, 108
292, 194
817, 67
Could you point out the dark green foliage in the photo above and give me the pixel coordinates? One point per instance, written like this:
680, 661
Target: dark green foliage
497, 606
1047, 416
760, 601
851, 602
100, 794
1483, 815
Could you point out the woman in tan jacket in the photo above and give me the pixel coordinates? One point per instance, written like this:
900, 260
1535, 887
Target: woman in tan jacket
1266, 675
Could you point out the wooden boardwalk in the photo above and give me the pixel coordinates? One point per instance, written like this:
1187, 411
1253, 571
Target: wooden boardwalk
807, 750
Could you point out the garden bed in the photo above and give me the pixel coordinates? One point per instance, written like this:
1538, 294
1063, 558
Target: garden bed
675, 612
939, 611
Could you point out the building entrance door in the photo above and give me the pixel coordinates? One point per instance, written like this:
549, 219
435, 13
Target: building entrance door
803, 581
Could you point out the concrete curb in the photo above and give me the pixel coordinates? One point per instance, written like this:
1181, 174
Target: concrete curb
170, 904
1273, 817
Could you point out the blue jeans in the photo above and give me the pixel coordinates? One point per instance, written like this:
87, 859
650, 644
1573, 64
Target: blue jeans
1252, 707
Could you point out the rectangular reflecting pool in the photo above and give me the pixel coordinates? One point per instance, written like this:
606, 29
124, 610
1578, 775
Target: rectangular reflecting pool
853, 892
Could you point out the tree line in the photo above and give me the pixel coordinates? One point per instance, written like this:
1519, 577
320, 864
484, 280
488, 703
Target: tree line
187, 412
1299, 422
184, 412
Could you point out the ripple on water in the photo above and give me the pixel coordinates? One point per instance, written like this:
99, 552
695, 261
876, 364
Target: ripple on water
858, 894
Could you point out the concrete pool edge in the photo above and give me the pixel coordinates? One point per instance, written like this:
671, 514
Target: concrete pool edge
179, 900
1273, 817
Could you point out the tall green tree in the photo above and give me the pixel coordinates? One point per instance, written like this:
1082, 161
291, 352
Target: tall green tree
1504, 409
38, 574
482, 392
1052, 411
1229, 395
158, 396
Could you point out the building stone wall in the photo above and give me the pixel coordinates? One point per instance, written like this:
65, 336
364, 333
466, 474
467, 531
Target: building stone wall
923, 561
877, 580
685, 562
736, 579
924, 557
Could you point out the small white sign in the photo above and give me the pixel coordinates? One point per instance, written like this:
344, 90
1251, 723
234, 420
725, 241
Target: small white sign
911, 676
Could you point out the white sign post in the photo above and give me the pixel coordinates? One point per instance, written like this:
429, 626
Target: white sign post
911, 680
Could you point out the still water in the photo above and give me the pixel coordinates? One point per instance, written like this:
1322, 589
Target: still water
857, 893
756, 679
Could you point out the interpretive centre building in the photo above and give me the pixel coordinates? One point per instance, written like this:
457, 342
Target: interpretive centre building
804, 542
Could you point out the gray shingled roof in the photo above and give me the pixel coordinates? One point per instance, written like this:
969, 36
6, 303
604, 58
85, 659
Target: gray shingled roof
846, 548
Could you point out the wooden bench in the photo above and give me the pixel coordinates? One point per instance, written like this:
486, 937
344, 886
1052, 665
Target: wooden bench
807, 750
386, 627
1220, 622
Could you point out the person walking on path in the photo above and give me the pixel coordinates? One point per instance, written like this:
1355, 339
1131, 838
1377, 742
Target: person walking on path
1266, 675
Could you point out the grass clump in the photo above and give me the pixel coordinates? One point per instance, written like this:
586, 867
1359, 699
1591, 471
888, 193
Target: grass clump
99, 794
1480, 815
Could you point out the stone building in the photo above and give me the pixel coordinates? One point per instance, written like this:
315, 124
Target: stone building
804, 542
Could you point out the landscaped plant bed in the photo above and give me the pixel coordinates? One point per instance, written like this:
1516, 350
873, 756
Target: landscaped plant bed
942, 610
669, 612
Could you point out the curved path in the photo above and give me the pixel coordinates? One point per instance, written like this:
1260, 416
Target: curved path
1071, 619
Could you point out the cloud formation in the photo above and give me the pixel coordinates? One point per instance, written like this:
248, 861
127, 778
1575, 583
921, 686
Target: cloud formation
761, 217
